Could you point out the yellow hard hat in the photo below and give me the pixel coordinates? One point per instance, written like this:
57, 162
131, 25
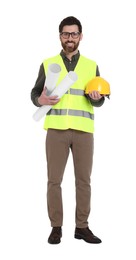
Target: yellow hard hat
98, 84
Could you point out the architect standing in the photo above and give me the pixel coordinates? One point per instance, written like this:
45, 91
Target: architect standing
70, 126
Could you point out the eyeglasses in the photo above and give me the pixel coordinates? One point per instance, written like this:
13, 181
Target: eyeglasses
66, 35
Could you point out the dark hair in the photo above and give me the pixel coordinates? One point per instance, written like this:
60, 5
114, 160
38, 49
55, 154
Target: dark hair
70, 20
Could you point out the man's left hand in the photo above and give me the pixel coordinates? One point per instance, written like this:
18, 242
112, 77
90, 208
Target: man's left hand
95, 95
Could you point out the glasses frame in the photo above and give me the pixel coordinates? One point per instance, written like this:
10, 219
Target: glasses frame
77, 34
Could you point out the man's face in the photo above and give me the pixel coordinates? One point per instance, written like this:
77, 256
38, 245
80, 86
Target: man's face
69, 43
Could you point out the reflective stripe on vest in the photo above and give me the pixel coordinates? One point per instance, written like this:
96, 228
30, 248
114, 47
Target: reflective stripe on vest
78, 92
70, 112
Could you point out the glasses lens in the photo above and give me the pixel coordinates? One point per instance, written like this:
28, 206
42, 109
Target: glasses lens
75, 35
65, 35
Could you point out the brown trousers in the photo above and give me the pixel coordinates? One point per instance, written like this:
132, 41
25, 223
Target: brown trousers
58, 145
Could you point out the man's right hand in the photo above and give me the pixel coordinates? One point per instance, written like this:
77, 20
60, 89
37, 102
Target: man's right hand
47, 100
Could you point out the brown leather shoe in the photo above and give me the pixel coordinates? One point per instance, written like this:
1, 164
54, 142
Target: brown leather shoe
55, 235
87, 235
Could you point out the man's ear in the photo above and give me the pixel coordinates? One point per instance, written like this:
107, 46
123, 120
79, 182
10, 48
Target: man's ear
81, 36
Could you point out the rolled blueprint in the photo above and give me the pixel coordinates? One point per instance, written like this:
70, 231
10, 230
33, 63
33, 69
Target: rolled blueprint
60, 90
52, 77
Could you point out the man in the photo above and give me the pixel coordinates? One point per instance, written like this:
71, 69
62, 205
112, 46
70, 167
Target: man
69, 125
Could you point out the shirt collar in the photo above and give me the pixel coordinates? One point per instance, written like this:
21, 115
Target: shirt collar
74, 57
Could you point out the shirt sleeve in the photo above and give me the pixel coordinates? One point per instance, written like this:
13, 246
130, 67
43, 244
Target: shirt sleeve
38, 87
97, 71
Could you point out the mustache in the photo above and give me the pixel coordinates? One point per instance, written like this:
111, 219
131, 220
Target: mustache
69, 42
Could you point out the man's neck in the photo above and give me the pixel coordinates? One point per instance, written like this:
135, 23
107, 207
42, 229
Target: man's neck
69, 55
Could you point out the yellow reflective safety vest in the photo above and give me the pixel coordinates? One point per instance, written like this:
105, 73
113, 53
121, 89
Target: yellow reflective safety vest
74, 110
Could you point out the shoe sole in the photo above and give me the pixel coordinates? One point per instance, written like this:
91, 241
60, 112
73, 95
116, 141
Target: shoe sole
54, 243
80, 237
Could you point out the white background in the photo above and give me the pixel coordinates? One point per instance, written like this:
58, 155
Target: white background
29, 33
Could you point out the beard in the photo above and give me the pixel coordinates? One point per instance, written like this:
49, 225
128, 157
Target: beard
70, 49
